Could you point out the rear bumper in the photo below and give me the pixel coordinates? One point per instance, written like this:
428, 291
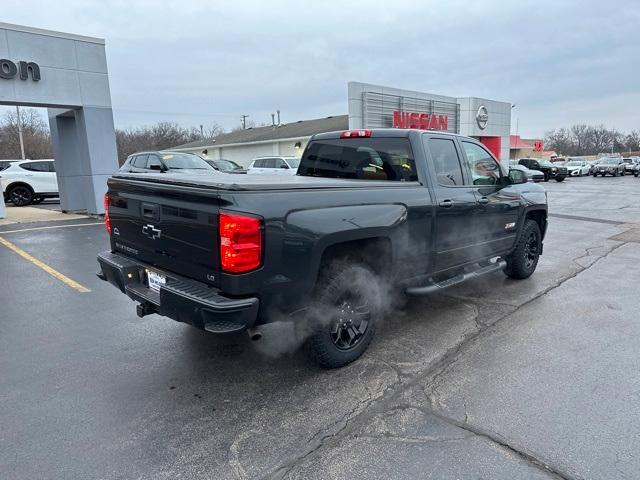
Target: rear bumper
180, 298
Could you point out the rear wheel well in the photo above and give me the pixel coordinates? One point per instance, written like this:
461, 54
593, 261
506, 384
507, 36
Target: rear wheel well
19, 184
373, 252
540, 217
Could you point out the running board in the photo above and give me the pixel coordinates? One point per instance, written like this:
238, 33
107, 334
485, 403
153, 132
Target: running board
463, 277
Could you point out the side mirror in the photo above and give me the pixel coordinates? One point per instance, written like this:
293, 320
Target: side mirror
156, 166
517, 177
285, 166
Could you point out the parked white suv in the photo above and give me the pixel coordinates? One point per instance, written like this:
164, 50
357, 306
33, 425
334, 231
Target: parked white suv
274, 165
29, 181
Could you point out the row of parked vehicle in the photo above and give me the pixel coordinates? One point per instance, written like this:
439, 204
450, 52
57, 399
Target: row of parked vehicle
610, 165
29, 182
148, 162
538, 170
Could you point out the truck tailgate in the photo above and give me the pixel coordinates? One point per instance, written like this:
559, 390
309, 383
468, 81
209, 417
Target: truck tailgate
173, 230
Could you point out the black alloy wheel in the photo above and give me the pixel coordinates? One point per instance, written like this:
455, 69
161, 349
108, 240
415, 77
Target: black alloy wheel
531, 249
345, 312
522, 262
350, 323
21, 196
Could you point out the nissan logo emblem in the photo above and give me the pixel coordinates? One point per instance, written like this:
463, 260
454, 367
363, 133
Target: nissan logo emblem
482, 117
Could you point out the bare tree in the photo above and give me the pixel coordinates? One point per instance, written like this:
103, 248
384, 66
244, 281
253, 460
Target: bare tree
559, 140
584, 139
632, 141
599, 139
160, 136
35, 133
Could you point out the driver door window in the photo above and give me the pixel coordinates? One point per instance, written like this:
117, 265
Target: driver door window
140, 161
483, 167
153, 160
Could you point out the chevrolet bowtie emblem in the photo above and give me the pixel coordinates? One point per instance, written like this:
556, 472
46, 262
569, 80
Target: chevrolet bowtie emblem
152, 232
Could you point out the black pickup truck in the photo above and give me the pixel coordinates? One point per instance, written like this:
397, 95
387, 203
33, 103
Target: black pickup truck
369, 212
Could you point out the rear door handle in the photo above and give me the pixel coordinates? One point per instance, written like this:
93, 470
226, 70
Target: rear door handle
446, 203
483, 200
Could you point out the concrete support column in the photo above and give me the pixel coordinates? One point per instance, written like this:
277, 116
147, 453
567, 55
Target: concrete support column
84, 147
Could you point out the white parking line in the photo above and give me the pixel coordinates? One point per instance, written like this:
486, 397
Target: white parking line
50, 227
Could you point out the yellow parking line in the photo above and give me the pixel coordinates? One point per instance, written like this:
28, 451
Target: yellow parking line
51, 271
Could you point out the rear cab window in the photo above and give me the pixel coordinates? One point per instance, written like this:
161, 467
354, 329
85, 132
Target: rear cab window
372, 158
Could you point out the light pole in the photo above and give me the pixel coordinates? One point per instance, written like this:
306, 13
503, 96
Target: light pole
20, 131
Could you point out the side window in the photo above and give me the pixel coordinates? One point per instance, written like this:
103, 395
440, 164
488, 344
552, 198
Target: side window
280, 163
52, 166
140, 161
483, 167
258, 163
153, 160
269, 163
36, 166
446, 162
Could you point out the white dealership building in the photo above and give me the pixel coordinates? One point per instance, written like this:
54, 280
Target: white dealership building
371, 106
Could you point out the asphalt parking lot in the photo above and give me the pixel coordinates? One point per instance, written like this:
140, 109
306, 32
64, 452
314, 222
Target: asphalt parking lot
496, 379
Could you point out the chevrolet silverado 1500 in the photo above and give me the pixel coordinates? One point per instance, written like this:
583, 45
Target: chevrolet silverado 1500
417, 210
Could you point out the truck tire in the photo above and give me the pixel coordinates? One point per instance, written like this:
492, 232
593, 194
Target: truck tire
559, 179
522, 262
346, 314
20, 195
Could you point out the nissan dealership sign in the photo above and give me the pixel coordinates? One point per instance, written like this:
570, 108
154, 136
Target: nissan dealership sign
375, 106
423, 121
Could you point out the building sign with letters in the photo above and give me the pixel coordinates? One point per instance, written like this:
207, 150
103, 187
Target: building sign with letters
23, 70
423, 121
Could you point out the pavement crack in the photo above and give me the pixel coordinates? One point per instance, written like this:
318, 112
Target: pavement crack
320, 438
234, 452
493, 437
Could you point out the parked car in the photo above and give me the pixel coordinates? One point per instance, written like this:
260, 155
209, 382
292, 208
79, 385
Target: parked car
6, 164
613, 166
29, 182
532, 175
558, 173
369, 211
274, 166
224, 165
631, 164
577, 168
166, 162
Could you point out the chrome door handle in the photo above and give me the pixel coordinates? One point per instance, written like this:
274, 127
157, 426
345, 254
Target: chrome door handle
446, 203
483, 200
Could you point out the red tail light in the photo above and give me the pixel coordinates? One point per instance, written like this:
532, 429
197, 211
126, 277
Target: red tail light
355, 133
240, 242
107, 220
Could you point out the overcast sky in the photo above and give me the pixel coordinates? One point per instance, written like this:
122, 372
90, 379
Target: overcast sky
205, 61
